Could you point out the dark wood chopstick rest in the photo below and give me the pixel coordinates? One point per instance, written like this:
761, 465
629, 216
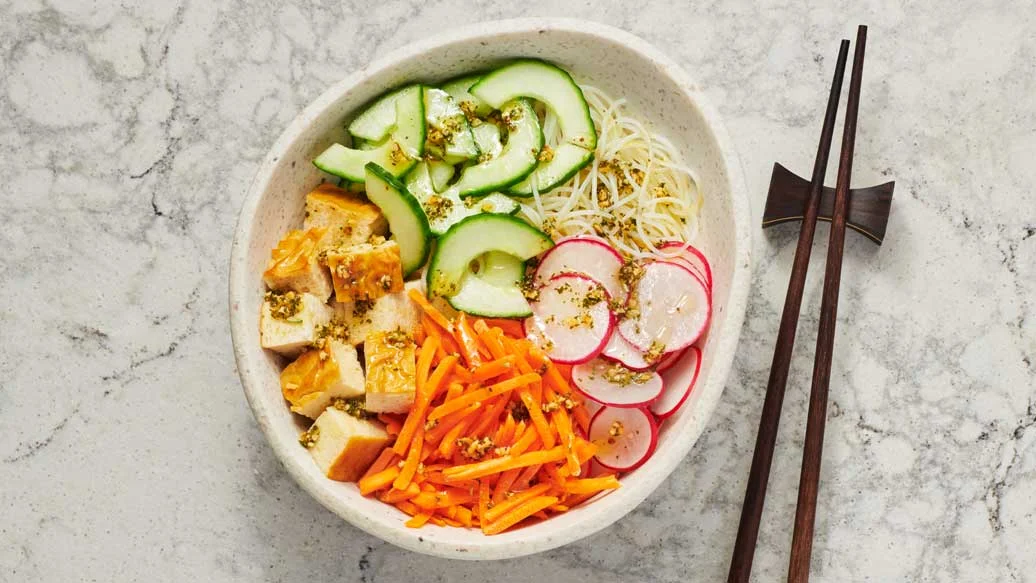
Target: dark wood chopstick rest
789, 194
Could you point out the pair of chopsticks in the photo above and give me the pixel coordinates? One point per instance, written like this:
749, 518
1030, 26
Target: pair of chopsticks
755, 492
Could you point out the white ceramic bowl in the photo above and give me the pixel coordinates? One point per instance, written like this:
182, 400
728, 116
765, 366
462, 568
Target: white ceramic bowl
621, 64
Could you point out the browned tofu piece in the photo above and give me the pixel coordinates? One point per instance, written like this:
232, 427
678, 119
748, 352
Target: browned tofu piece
344, 446
294, 265
320, 376
348, 218
391, 372
365, 272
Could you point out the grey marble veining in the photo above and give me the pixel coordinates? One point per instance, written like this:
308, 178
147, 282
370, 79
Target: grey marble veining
129, 134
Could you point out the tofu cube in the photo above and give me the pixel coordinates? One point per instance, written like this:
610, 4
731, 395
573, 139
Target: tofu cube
320, 376
365, 272
288, 322
391, 372
387, 313
344, 446
294, 265
348, 218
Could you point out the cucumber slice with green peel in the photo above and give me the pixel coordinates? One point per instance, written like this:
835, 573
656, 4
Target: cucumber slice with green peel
362, 144
446, 209
487, 138
474, 236
547, 83
378, 119
516, 159
398, 154
568, 159
449, 134
458, 89
493, 291
404, 214
441, 174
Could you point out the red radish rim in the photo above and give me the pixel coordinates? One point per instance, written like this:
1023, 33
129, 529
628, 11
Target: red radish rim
651, 446
636, 405
694, 251
701, 278
705, 322
669, 359
606, 356
688, 390
601, 242
612, 322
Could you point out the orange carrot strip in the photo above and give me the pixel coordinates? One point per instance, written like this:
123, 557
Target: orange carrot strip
431, 310
483, 500
555, 476
524, 443
504, 484
507, 434
419, 519
393, 496
563, 424
455, 389
520, 349
491, 337
491, 416
407, 507
502, 464
536, 415
482, 395
519, 514
584, 450
468, 341
582, 417
383, 461
425, 393
378, 480
454, 497
464, 516
424, 359
444, 425
591, 485
392, 425
493, 368
413, 457
512, 328
461, 375
448, 444
425, 500
515, 501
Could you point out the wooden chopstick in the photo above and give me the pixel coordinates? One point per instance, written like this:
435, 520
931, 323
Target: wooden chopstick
755, 492
806, 510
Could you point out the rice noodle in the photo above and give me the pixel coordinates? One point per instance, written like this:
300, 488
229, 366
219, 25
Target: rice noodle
637, 192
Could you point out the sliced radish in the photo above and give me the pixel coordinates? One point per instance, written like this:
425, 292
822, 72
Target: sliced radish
614, 385
668, 359
590, 256
625, 438
679, 381
691, 256
674, 308
619, 350
567, 329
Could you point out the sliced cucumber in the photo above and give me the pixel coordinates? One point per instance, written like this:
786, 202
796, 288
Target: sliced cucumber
377, 121
362, 144
487, 138
494, 290
441, 173
568, 159
450, 133
458, 89
517, 158
445, 209
549, 84
474, 236
404, 214
397, 155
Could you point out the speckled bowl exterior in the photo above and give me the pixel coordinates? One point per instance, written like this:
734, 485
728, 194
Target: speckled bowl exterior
621, 64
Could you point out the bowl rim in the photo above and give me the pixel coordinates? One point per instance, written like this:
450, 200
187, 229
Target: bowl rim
727, 336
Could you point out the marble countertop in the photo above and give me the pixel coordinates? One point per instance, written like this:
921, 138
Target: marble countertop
129, 136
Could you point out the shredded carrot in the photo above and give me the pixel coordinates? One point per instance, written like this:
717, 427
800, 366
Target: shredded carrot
512, 328
431, 310
461, 456
591, 485
468, 341
378, 480
519, 514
